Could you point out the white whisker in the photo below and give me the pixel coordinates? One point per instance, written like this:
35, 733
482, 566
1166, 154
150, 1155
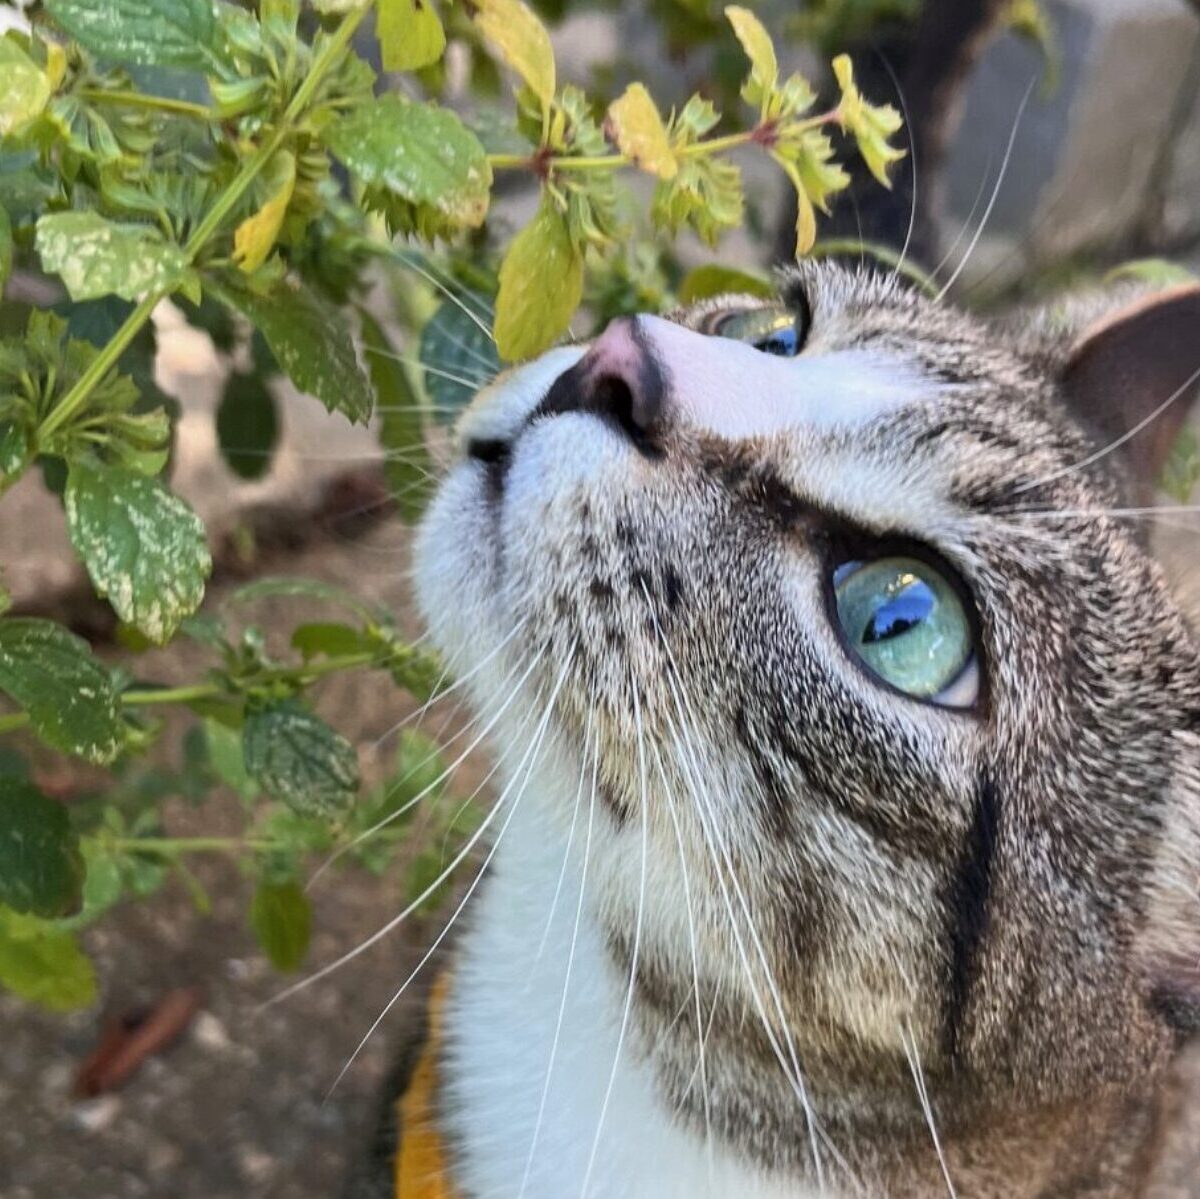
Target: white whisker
1012, 138
637, 938
914, 1064
535, 748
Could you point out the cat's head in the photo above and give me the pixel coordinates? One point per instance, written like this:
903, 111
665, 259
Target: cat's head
893, 727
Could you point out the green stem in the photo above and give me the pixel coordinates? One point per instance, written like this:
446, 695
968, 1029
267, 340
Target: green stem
182, 108
712, 145
173, 845
226, 202
147, 697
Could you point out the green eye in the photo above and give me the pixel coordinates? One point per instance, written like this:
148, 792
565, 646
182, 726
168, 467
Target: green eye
908, 625
772, 330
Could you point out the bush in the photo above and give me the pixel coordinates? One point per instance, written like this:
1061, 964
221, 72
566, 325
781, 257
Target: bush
243, 164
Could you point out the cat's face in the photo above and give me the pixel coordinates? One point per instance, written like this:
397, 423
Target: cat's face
885, 716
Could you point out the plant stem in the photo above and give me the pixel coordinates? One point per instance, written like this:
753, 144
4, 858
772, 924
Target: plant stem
174, 845
225, 204
147, 697
703, 148
182, 108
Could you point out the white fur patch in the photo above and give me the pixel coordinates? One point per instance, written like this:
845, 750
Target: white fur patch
732, 389
501, 1021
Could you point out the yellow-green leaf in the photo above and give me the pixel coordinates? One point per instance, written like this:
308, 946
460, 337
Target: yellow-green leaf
756, 41
712, 279
806, 217
95, 257
640, 132
522, 41
42, 963
143, 547
281, 917
410, 34
870, 124
541, 284
24, 88
255, 237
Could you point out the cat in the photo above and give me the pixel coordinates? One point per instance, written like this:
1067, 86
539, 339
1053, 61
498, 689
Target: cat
848, 841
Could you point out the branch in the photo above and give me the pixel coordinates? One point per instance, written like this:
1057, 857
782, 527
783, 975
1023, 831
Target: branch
921, 68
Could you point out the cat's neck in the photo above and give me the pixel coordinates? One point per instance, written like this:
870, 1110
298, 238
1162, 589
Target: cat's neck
533, 983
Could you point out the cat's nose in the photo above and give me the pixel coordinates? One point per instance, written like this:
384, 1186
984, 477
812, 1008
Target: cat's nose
619, 379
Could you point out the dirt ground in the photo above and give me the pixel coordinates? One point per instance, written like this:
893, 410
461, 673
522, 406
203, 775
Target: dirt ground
238, 1107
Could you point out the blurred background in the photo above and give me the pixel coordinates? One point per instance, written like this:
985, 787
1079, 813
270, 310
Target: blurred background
1053, 140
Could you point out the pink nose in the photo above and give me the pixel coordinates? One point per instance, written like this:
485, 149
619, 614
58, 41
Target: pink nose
618, 378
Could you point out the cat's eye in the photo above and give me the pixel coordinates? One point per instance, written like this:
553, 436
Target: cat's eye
909, 626
773, 330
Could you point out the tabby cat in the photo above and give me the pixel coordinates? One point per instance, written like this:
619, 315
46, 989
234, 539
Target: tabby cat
849, 834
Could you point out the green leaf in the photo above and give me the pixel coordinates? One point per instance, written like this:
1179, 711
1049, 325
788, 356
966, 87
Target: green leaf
247, 425
541, 283
225, 756
640, 132
1159, 272
68, 694
281, 917
15, 451
704, 282
96, 257
143, 547
756, 42
297, 758
44, 964
311, 343
421, 155
41, 868
255, 237
522, 41
24, 88
6, 248
407, 465
870, 124
410, 34
1181, 472
459, 357
329, 638
168, 33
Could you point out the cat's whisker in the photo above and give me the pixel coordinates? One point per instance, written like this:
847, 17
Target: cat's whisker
562, 1005
912, 150
417, 903
909, 1041
539, 737
482, 306
440, 693
562, 872
987, 212
339, 853
1182, 390
1150, 511
691, 922
714, 843
450, 295
980, 192
718, 852
637, 936
471, 381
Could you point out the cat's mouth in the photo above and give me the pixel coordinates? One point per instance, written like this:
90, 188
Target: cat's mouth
496, 457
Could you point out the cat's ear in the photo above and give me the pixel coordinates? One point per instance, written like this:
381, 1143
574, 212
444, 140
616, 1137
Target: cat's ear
1134, 374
